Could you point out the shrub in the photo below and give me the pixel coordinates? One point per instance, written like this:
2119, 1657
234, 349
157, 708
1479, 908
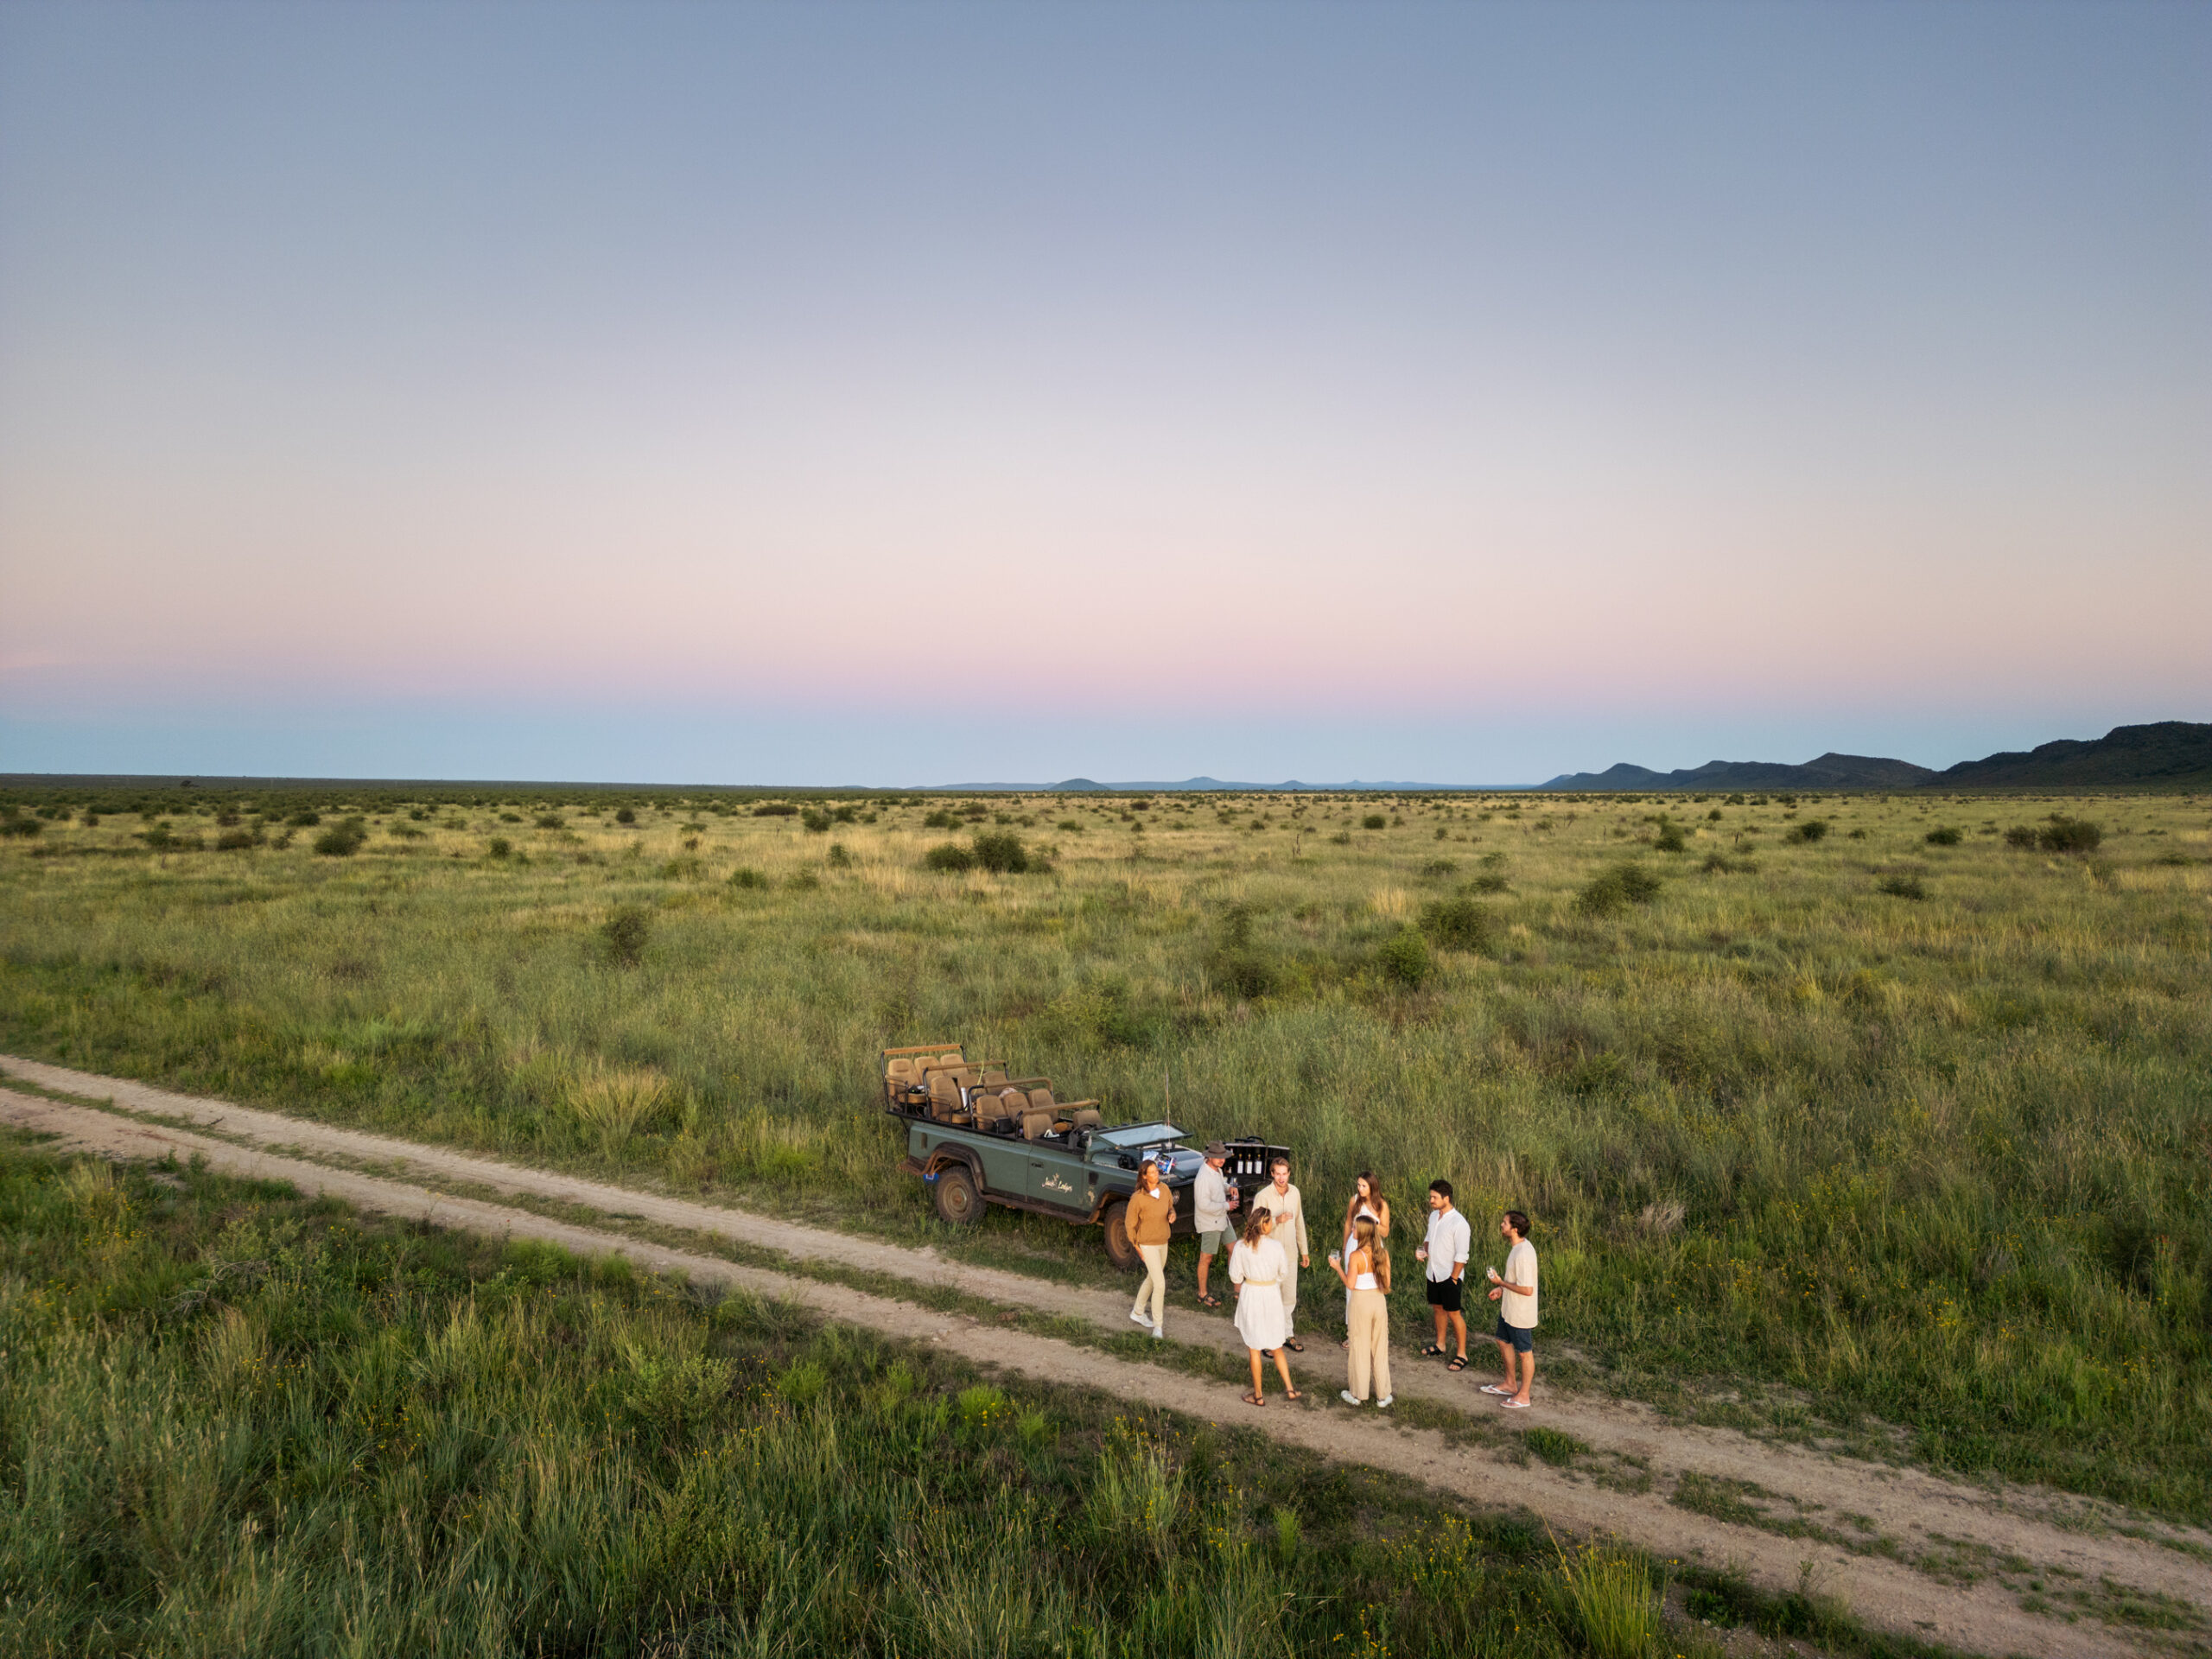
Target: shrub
1457, 924
1490, 881
232, 840
2022, 836
623, 935
941, 819
846, 814
746, 876
1002, 854
804, 881
1811, 830
162, 839
625, 815
1342, 838
551, 821
1670, 838
24, 828
1374, 821
304, 820
1944, 836
1403, 957
775, 810
498, 847
838, 855
1236, 962
2070, 836
948, 855
1439, 866
510, 817
1616, 889
343, 839
1070, 827
814, 822
1904, 886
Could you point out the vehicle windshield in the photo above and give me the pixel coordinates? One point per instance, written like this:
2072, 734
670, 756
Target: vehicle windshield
1136, 1134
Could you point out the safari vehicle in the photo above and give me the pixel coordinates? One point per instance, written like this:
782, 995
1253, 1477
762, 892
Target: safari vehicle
979, 1136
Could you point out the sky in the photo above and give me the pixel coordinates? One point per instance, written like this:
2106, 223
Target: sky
921, 393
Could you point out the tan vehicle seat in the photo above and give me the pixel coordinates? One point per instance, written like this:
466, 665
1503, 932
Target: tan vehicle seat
993, 1077
995, 1109
1040, 1100
944, 1096
1087, 1119
1034, 1124
901, 1072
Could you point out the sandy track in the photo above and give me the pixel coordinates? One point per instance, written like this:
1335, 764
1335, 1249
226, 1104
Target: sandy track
2069, 1540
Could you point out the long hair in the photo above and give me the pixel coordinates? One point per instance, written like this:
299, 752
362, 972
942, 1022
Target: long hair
1366, 1235
1375, 1201
1143, 1185
1255, 1219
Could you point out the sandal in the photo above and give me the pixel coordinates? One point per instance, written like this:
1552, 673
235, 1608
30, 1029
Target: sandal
1251, 1399
1432, 1352
1209, 1301
1293, 1393
1294, 1346
1459, 1362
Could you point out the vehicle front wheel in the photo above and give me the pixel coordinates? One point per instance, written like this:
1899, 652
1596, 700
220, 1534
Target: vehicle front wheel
1122, 1254
957, 1200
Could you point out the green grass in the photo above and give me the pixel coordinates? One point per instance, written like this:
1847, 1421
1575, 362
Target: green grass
1937, 1163
233, 1421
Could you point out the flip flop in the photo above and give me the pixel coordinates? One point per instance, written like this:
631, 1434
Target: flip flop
1459, 1362
1519, 1405
1492, 1387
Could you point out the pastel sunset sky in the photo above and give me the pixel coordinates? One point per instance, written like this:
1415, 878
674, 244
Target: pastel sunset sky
920, 393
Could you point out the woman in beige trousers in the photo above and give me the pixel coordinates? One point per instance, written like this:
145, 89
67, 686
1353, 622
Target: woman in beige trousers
1366, 1274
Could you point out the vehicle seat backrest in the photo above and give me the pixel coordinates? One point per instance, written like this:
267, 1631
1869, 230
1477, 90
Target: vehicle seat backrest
991, 1108
993, 1077
1087, 1119
1040, 1100
951, 1059
900, 1070
1034, 1124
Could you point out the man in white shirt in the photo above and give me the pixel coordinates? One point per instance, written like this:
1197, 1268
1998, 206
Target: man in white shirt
1281, 1198
1445, 1250
1210, 1201
1515, 1296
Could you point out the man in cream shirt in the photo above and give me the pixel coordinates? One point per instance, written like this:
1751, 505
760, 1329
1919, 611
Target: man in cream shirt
1282, 1198
1515, 1296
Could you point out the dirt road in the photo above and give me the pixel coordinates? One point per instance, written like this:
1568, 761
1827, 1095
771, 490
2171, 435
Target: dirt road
1989, 1569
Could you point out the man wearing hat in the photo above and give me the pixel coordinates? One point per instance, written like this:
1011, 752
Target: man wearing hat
1211, 1198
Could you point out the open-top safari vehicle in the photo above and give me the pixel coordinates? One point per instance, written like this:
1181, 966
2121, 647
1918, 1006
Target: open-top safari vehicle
979, 1136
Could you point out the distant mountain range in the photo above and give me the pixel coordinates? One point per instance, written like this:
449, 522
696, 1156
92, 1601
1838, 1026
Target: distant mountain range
2172, 754
1078, 785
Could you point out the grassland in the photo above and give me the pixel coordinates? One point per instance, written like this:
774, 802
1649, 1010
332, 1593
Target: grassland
1880, 1125
234, 1422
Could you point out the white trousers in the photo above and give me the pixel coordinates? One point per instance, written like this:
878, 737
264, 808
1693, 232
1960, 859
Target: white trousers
1155, 1288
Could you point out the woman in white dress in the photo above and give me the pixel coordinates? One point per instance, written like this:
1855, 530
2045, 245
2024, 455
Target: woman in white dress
1256, 1266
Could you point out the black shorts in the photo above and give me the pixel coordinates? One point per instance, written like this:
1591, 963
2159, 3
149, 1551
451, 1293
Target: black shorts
1444, 1294
1522, 1336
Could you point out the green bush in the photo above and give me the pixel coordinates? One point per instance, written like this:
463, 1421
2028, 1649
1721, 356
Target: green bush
746, 876
1403, 957
1459, 924
1670, 838
232, 840
1615, 889
948, 855
2070, 836
775, 810
838, 856
551, 821
343, 839
1374, 821
623, 935
1002, 854
498, 847
941, 819
1439, 868
1944, 835
1904, 886
1811, 830
625, 815
24, 828
816, 822
304, 820
2022, 836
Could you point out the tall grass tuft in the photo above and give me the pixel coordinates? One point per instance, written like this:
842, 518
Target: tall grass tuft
612, 1103
1607, 1598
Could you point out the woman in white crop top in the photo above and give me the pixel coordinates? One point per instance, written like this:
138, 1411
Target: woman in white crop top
1366, 1268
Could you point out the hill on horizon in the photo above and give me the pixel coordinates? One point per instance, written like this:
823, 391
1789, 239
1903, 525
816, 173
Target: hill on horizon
2167, 753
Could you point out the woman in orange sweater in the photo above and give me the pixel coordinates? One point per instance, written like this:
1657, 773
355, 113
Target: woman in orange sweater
1150, 1213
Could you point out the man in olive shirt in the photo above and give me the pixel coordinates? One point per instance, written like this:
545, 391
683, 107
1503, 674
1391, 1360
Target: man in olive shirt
1282, 1198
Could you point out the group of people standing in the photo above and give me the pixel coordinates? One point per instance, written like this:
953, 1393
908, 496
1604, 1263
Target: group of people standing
1263, 1269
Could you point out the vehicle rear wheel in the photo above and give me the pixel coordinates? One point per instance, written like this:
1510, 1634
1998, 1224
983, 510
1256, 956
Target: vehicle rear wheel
957, 1200
1122, 1254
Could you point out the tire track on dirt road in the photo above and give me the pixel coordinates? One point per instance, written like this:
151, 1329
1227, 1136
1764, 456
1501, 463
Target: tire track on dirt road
2019, 1523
